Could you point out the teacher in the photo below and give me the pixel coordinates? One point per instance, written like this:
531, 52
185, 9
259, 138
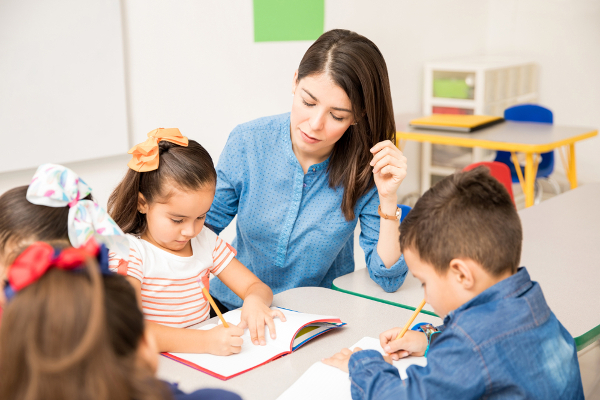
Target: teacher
299, 182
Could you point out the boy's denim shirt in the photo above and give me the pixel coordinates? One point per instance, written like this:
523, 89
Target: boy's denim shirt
503, 344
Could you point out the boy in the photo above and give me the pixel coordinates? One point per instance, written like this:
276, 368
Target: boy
499, 339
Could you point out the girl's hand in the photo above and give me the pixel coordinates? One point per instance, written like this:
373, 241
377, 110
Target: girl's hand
224, 341
389, 168
413, 343
255, 315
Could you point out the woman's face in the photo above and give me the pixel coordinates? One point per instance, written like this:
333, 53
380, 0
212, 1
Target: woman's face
321, 113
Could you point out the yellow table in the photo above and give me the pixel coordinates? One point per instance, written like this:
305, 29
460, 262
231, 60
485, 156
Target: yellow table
525, 137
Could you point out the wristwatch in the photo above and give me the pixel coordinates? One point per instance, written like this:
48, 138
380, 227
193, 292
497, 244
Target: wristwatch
395, 217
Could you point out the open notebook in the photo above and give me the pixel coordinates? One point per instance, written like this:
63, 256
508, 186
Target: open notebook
297, 330
321, 381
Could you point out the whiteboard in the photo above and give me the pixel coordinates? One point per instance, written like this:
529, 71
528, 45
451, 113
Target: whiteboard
62, 82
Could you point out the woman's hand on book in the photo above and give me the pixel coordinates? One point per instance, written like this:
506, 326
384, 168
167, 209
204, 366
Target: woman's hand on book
255, 315
224, 341
413, 343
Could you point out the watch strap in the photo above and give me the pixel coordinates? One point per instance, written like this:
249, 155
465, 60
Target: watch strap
395, 217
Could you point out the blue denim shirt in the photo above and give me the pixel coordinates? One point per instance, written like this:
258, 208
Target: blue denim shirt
290, 228
503, 344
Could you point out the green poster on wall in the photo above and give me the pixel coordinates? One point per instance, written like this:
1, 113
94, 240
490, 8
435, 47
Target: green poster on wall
283, 20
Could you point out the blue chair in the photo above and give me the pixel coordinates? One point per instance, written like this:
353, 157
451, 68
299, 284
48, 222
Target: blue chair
530, 113
405, 210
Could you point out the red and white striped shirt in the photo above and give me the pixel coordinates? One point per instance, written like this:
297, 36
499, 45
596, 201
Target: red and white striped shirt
171, 291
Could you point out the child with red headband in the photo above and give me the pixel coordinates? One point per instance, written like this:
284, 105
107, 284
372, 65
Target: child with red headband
73, 330
161, 204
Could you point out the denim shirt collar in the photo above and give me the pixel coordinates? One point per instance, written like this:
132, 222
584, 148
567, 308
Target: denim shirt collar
513, 286
287, 145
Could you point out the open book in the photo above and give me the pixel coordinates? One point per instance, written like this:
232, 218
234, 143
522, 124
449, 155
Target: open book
297, 330
322, 381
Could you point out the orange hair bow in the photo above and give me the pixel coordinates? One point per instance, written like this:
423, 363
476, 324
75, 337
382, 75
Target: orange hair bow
145, 155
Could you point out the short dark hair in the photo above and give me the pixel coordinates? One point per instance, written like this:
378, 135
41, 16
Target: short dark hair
465, 215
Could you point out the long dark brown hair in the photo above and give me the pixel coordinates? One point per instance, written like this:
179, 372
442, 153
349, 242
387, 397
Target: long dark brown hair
186, 168
356, 65
22, 221
74, 335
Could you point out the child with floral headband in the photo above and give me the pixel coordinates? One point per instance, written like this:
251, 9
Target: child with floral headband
162, 203
56, 206
73, 330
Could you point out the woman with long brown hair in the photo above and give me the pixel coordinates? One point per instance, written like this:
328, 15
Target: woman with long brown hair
300, 182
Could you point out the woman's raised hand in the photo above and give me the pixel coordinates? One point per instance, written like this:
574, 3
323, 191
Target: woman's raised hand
389, 168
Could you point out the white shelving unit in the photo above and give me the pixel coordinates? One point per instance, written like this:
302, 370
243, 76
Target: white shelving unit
491, 85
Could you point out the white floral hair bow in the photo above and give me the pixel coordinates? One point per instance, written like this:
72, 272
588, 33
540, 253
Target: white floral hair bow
57, 186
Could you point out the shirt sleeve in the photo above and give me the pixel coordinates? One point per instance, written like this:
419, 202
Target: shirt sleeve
390, 279
444, 376
229, 184
222, 256
132, 266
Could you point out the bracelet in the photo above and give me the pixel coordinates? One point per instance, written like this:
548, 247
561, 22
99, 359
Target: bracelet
429, 331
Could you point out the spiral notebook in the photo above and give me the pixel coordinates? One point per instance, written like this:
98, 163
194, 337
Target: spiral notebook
298, 329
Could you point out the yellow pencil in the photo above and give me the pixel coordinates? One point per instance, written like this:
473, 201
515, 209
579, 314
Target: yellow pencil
214, 306
410, 321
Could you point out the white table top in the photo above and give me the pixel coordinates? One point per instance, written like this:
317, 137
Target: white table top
364, 318
359, 283
509, 132
561, 250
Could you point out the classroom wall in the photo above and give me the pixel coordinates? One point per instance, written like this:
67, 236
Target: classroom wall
563, 37
194, 65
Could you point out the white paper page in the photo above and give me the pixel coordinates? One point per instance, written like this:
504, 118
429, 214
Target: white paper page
252, 355
322, 381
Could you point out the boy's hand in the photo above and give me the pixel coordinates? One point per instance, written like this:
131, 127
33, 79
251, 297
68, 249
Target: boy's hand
223, 341
341, 359
255, 315
413, 343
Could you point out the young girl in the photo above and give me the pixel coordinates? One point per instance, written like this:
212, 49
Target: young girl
162, 202
70, 333
57, 205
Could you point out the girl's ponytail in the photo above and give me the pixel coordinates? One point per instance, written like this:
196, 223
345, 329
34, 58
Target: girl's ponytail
123, 204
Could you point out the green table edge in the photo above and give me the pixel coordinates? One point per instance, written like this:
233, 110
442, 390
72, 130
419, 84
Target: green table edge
580, 341
381, 300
